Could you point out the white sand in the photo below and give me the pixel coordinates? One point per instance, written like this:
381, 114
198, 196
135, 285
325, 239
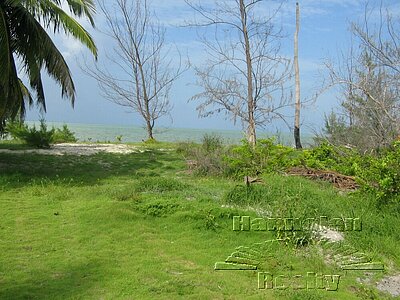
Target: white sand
79, 149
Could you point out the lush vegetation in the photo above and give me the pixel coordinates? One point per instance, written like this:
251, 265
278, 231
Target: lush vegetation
140, 225
151, 224
42, 137
376, 173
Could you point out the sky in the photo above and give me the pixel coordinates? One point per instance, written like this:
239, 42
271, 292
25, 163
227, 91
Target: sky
324, 32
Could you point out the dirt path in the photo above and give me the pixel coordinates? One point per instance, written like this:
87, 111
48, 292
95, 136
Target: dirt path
79, 149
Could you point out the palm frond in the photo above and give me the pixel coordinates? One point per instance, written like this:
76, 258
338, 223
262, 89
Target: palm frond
83, 7
71, 26
36, 49
4, 61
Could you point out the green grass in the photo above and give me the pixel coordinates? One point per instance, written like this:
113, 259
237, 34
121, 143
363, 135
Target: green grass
138, 226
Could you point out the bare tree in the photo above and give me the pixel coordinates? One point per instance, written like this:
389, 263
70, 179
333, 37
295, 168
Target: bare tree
138, 74
244, 74
369, 116
297, 74
369, 78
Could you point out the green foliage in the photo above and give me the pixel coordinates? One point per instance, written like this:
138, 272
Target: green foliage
265, 157
119, 138
23, 32
186, 148
64, 135
159, 208
210, 221
211, 143
101, 210
150, 141
41, 138
328, 157
380, 174
208, 156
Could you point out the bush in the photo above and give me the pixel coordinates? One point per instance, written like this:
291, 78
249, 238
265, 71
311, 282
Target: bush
265, 157
328, 157
41, 138
211, 143
208, 156
64, 135
380, 175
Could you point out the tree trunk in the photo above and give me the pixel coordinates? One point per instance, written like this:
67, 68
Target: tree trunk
251, 130
297, 75
149, 130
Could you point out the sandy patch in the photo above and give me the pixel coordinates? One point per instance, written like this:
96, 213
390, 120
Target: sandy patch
80, 149
327, 234
390, 285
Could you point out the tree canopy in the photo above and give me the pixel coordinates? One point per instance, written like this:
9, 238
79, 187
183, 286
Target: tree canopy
26, 49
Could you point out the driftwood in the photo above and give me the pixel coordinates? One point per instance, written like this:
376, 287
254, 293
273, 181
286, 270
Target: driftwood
338, 180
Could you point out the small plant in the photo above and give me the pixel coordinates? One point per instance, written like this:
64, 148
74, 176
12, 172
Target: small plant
211, 222
119, 138
150, 141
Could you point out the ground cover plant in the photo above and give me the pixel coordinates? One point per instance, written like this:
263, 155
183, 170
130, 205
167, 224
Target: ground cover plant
141, 226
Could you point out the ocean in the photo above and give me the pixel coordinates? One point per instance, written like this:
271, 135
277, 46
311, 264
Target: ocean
131, 133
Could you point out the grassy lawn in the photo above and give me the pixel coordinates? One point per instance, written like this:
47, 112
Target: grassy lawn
139, 226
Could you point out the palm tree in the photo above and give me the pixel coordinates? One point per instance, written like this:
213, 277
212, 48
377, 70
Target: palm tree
25, 42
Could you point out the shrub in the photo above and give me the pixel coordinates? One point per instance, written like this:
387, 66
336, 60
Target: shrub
328, 157
186, 149
211, 143
380, 174
64, 135
41, 138
266, 156
208, 156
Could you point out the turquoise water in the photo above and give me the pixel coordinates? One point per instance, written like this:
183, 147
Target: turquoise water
130, 133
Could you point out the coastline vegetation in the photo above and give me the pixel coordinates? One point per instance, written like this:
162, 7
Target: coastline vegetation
147, 225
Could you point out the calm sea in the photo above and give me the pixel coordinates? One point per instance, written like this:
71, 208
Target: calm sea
130, 133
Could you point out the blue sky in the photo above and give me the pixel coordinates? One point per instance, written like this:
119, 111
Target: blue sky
324, 32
